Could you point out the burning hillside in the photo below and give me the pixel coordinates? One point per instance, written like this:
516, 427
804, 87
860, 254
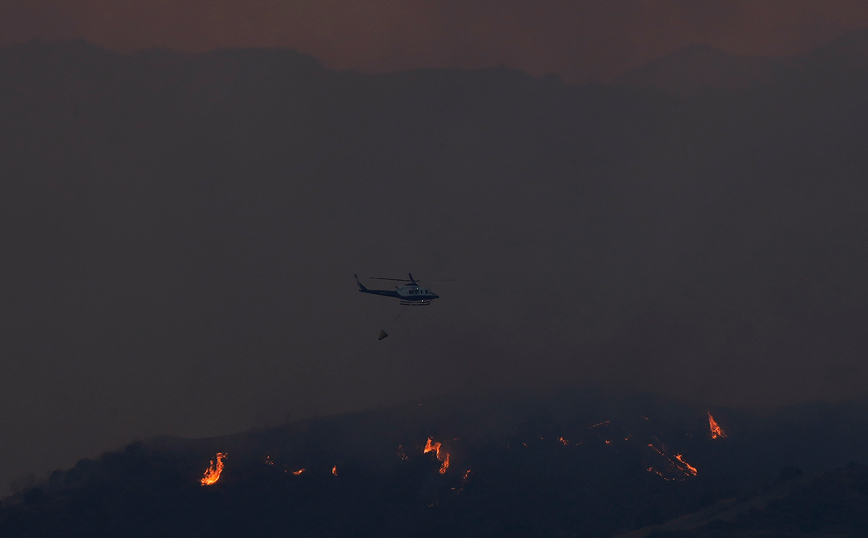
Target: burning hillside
573, 467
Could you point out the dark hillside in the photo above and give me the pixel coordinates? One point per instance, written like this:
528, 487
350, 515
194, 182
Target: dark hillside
560, 465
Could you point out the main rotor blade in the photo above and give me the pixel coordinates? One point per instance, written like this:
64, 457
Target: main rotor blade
386, 278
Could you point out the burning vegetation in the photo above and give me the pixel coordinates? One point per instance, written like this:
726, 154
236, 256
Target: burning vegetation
716, 431
580, 439
435, 448
379, 493
673, 468
212, 473
691, 470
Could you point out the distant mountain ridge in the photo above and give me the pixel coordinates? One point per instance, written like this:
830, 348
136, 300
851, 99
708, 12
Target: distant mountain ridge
683, 72
701, 67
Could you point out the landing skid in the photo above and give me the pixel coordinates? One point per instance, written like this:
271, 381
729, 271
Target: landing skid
415, 303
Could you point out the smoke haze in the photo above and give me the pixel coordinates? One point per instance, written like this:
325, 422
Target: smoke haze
181, 231
577, 40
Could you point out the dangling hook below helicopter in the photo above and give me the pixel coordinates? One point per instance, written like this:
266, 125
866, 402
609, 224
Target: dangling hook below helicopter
411, 294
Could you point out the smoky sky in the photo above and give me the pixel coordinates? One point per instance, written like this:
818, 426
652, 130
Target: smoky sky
580, 40
184, 264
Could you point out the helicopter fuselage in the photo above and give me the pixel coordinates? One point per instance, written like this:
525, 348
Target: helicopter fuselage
409, 294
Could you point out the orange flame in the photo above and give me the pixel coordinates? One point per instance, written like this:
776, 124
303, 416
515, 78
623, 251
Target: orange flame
716, 431
296, 473
676, 464
565, 442
690, 468
335, 470
430, 446
212, 473
444, 465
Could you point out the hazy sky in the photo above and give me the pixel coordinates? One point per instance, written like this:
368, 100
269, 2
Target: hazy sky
577, 39
220, 325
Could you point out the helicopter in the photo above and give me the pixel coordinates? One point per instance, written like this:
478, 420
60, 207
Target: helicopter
410, 294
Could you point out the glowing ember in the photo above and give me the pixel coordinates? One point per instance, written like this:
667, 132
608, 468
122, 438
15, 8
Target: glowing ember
335, 470
716, 431
563, 441
597, 425
401, 454
658, 473
268, 460
212, 473
464, 480
296, 473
